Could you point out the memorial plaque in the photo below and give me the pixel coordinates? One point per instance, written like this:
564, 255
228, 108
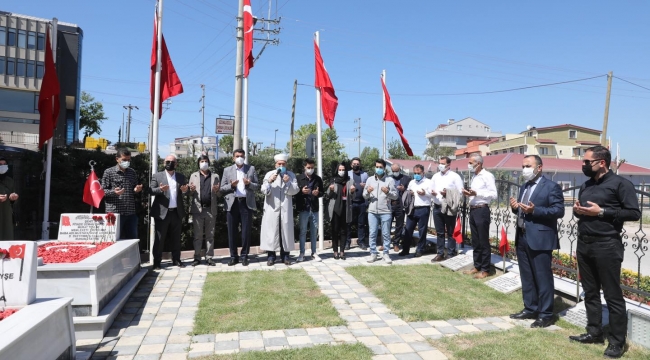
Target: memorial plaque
18, 273
458, 262
506, 283
88, 227
577, 315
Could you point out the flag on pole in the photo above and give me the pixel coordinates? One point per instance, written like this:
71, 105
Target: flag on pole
329, 101
48, 99
170, 83
248, 37
391, 116
18, 252
93, 191
504, 246
458, 236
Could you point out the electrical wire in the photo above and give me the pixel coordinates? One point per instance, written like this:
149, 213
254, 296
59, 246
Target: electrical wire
629, 82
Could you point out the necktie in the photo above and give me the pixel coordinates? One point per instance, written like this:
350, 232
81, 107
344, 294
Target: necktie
520, 218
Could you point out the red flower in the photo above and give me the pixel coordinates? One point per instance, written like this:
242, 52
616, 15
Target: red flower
7, 312
110, 219
4, 254
60, 253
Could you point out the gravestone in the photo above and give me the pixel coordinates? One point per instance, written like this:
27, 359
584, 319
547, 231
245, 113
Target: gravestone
82, 227
506, 283
458, 262
18, 273
577, 315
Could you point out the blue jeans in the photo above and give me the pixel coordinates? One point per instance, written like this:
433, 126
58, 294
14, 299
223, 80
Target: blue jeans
308, 218
129, 226
373, 222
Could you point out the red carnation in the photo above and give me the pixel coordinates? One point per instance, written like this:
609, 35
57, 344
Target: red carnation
4, 254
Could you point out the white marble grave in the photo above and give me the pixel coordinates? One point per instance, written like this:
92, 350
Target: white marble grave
506, 283
577, 315
458, 262
18, 273
82, 227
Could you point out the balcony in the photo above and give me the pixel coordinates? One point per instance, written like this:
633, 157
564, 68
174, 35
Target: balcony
19, 139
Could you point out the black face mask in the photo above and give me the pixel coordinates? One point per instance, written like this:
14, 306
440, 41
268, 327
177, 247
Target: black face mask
170, 166
588, 171
356, 168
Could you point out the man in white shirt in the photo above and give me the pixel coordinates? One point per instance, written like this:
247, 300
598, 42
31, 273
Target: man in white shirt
482, 191
421, 188
444, 180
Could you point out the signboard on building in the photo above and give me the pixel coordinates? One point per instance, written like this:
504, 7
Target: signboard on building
225, 126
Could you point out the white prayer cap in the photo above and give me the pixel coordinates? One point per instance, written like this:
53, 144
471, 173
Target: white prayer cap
281, 157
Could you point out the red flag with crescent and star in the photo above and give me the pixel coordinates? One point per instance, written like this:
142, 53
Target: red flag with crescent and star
328, 99
248, 37
170, 83
17, 251
391, 116
93, 191
504, 246
48, 100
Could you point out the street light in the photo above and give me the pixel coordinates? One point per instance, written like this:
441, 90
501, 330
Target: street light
275, 139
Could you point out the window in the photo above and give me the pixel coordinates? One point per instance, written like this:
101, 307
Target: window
565, 185
530, 133
577, 152
459, 127
3, 35
22, 39
512, 150
521, 149
69, 131
543, 151
20, 68
11, 66
40, 43
573, 134
31, 68
40, 69
31, 40
487, 129
11, 37
2, 65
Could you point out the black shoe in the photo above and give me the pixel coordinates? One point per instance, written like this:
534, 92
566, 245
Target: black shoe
438, 258
403, 253
342, 256
613, 351
417, 254
588, 339
196, 262
157, 267
523, 315
244, 262
210, 262
179, 264
270, 262
542, 323
233, 262
287, 262
336, 256
347, 247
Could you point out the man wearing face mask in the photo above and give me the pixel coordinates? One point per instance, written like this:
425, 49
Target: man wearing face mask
204, 188
7, 197
276, 232
238, 186
482, 190
401, 183
311, 189
379, 191
421, 188
539, 205
604, 203
445, 182
120, 184
359, 204
168, 188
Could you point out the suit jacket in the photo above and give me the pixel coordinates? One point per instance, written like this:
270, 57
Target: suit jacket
230, 175
541, 225
195, 196
161, 198
300, 197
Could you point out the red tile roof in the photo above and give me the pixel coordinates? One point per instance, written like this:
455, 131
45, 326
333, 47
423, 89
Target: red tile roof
546, 141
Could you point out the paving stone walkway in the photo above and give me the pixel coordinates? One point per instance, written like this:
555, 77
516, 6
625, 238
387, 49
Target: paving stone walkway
155, 323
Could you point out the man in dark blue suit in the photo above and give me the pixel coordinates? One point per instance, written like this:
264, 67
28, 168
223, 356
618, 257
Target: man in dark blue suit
538, 207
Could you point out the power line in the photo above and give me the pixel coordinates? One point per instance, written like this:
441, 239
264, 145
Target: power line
629, 82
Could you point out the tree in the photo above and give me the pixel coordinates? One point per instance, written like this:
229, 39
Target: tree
226, 143
435, 151
368, 157
396, 151
91, 115
332, 148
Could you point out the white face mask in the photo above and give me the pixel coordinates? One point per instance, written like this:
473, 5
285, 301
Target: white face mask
442, 167
528, 173
4, 169
204, 165
470, 166
239, 161
125, 164
341, 173
309, 171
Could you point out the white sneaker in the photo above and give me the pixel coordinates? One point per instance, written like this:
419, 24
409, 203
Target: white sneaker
316, 257
373, 258
387, 259
300, 258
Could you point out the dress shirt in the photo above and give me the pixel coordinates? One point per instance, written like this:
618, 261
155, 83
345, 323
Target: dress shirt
424, 184
448, 180
171, 181
206, 189
240, 190
485, 187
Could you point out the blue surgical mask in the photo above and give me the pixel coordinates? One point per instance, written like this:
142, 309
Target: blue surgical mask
283, 169
417, 177
379, 171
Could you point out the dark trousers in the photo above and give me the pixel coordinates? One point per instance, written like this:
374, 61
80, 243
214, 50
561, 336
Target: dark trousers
536, 278
339, 227
444, 224
239, 214
479, 224
360, 217
600, 267
398, 216
419, 218
167, 229
129, 226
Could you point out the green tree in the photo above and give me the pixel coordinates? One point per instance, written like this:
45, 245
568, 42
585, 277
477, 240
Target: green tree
92, 115
332, 148
368, 157
226, 143
435, 151
396, 151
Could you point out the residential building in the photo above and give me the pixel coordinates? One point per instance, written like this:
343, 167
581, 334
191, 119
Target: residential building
192, 146
456, 134
566, 141
481, 147
22, 57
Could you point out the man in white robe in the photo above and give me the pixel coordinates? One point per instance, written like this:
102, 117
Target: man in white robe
278, 188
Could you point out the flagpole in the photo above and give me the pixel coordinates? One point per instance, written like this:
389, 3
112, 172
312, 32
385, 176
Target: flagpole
239, 74
383, 155
45, 234
245, 118
319, 158
156, 116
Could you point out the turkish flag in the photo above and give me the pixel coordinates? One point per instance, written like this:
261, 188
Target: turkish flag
391, 116
48, 98
504, 246
458, 236
328, 99
248, 37
17, 251
93, 191
170, 83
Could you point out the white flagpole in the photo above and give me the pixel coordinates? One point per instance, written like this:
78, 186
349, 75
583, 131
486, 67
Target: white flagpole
156, 116
319, 158
45, 234
383, 101
245, 119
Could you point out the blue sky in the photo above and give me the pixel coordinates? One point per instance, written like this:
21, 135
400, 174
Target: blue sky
427, 47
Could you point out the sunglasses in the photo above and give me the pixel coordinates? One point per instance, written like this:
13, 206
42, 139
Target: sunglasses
590, 162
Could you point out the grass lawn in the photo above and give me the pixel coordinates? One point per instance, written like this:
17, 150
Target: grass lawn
523, 343
428, 292
262, 300
321, 352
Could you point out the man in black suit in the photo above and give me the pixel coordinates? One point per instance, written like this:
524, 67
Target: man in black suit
539, 205
168, 188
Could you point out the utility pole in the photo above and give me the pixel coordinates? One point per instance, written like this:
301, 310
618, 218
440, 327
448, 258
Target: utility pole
275, 139
358, 131
122, 132
603, 137
128, 121
203, 116
293, 116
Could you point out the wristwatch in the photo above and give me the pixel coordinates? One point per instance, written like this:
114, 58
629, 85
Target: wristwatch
601, 213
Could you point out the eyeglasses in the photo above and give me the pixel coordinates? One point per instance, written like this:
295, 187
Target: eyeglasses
590, 162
